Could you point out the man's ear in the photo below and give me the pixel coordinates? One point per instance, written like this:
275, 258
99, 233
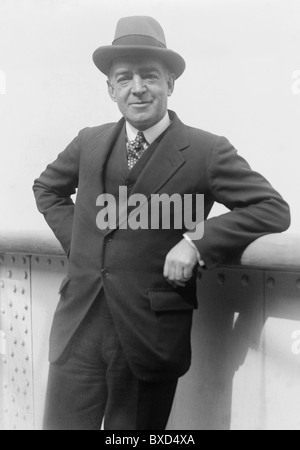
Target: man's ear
111, 90
171, 84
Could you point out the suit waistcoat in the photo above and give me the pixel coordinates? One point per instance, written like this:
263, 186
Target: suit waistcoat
117, 172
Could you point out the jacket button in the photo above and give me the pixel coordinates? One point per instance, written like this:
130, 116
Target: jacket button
128, 183
104, 272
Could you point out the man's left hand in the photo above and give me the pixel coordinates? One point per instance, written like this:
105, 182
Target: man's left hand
179, 263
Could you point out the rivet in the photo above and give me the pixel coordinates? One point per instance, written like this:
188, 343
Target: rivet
24, 261
26, 307
25, 275
221, 279
13, 259
62, 263
23, 343
5, 386
37, 259
23, 291
298, 284
4, 361
3, 310
16, 316
26, 331
270, 283
199, 275
23, 318
16, 370
15, 289
26, 358
1, 259
2, 284
9, 274
245, 280
15, 342
25, 393
12, 354
10, 304
24, 371
11, 328
13, 379
49, 262
28, 408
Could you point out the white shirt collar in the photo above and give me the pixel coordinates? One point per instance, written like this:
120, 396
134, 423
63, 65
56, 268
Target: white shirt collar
152, 133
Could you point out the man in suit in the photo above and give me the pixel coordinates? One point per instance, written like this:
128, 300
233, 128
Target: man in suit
121, 333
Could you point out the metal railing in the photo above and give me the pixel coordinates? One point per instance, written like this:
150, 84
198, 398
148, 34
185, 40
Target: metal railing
245, 337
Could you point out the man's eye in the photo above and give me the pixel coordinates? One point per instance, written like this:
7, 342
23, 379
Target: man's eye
150, 76
123, 79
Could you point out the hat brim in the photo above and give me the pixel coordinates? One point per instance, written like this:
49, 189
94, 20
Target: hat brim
104, 56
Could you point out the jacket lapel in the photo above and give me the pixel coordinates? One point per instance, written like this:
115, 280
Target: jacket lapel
166, 161
102, 148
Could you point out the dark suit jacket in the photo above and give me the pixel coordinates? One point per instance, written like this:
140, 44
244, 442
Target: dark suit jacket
153, 319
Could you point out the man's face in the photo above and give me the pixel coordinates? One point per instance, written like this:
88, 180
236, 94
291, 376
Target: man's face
141, 87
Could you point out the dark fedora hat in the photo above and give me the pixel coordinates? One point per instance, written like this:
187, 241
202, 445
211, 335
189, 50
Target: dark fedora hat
138, 35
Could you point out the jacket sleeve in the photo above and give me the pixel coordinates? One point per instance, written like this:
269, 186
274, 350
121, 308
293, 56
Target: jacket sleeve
53, 191
255, 207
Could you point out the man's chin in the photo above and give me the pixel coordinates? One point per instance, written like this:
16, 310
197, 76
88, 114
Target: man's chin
141, 121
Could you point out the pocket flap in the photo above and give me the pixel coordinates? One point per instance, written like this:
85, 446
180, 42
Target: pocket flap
168, 301
64, 283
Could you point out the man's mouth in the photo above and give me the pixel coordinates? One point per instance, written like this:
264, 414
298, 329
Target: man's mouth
140, 103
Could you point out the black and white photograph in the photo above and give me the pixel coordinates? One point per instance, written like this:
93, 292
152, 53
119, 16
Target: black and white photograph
150, 223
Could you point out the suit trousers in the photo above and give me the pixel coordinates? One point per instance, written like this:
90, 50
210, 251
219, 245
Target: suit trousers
94, 382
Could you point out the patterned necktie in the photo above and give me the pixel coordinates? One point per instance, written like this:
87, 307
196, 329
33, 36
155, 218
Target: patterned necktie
136, 148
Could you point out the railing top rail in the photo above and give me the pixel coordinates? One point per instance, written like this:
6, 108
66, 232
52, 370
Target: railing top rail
274, 251
35, 242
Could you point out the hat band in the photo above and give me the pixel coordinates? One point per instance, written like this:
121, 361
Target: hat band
136, 39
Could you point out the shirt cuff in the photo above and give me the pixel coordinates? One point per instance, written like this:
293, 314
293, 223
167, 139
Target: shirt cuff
191, 243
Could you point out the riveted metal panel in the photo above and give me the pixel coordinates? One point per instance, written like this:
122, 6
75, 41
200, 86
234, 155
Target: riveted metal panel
235, 288
28, 298
47, 273
3, 361
282, 369
283, 294
16, 335
282, 357
240, 378
227, 327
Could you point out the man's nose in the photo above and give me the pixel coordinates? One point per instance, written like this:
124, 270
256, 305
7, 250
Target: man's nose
138, 85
